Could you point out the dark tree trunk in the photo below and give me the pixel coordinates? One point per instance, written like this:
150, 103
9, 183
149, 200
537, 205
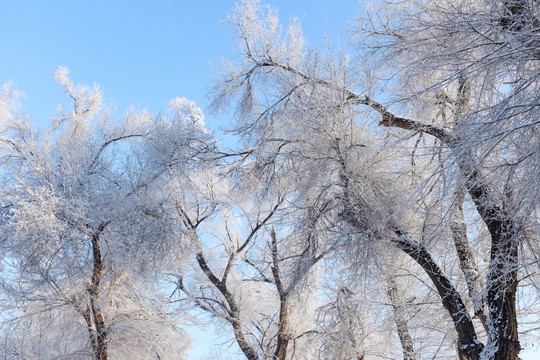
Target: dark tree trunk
502, 275
501, 298
469, 346
233, 316
93, 315
282, 335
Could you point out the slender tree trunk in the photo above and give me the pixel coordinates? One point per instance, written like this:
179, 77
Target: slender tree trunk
233, 312
94, 316
399, 317
282, 335
466, 259
241, 340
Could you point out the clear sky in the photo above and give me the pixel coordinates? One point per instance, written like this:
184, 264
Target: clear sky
140, 52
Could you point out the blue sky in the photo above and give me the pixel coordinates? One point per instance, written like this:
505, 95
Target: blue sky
140, 52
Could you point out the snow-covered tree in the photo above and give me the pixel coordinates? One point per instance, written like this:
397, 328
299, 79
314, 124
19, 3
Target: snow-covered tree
382, 204
88, 220
454, 158
255, 275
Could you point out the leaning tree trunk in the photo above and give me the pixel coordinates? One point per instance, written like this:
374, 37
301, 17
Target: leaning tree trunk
233, 313
465, 255
470, 347
503, 339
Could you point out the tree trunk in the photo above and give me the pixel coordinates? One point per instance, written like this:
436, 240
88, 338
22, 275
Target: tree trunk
503, 338
469, 346
94, 317
466, 259
241, 340
501, 298
402, 327
233, 316
282, 335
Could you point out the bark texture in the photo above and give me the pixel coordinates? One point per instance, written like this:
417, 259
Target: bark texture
399, 316
469, 346
282, 335
93, 316
467, 263
233, 311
